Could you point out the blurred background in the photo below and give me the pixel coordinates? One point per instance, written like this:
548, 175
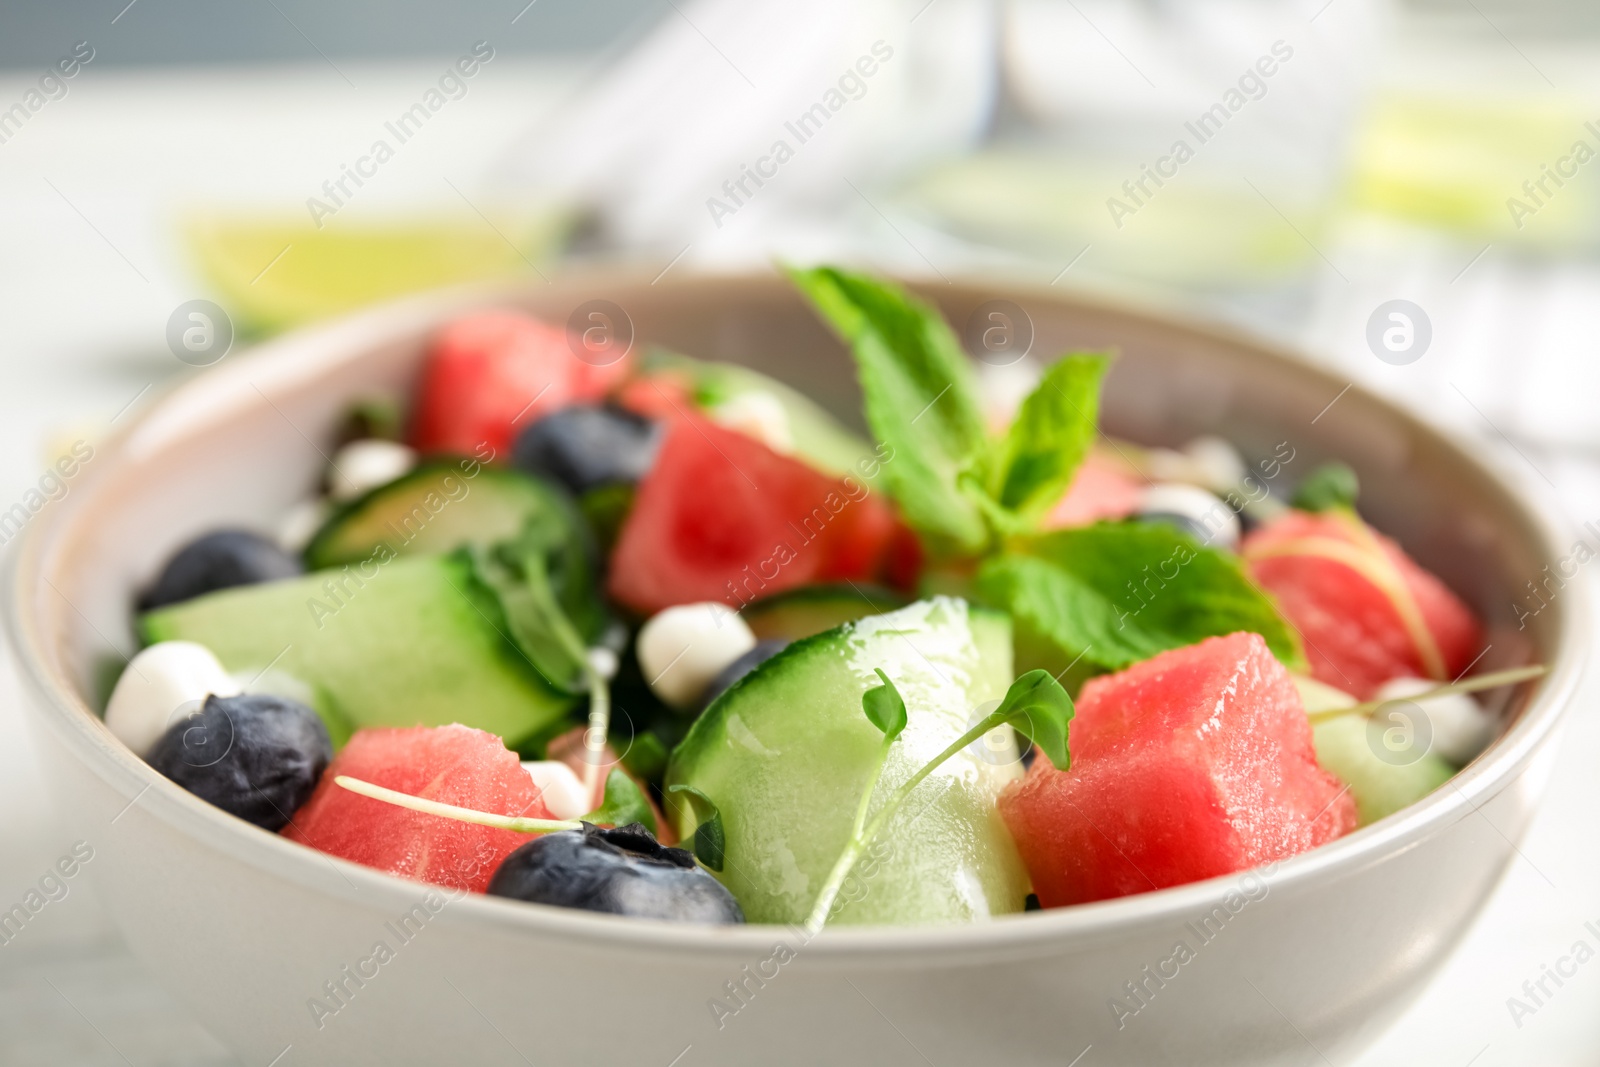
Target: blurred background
1292, 167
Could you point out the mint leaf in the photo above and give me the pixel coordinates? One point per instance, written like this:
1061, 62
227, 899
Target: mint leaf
921, 400
1117, 593
710, 842
1038, 707
1035, 461
1332, 485
623, 804
884, 707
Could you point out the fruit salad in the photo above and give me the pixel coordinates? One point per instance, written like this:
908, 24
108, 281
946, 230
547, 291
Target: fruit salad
664, 638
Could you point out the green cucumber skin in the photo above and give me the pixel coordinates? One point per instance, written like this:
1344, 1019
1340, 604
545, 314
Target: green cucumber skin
1346, 751
482, 506
811, 609
786, 753
819, 438
418, 643
1380, 789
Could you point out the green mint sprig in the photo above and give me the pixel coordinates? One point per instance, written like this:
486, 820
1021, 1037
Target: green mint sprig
1114, 594
1332, 485
921, 398
1106, 595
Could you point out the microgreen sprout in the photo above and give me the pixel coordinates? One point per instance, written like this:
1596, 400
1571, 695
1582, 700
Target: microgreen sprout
1036, 706
1493, 680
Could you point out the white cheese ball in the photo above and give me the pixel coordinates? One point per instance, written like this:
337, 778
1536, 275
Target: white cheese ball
560, 788
1194, 510
1461, 728
1217, 463
683, 648
161, 685
367, 464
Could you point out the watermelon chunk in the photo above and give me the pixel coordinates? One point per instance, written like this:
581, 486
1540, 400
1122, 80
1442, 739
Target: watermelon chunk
1367, 611
1190, 765
454, 764
723, 517
1102, 489
488, 375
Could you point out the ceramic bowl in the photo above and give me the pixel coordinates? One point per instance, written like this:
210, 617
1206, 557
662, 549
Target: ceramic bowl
1315, 957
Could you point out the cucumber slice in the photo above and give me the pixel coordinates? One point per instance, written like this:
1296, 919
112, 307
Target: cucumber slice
786, 753
819, 438
1348, 748
415, 641
811, 609
436, 507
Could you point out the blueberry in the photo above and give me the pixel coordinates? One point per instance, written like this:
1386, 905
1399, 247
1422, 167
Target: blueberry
255, 756
585, 447
1194, 511
740, 667
621, 872
219, 560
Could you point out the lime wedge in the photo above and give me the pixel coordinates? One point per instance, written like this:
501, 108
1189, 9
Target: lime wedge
272, 273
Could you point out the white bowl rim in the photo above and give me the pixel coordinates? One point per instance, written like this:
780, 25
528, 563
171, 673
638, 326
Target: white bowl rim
1020, 935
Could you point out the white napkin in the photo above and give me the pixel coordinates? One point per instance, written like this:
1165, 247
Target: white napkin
661, 146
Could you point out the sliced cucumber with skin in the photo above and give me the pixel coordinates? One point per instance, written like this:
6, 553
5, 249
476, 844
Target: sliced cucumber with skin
819, 438
786, 753
1348, 749
439, 506
416, 641
811, 609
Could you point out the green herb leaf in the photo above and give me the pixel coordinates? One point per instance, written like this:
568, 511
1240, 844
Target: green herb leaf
543, 582
623, 804
534, 620
1332, 485
1035, 704
884, 707
1117, 593
647, 756
1038, 707
1035, 461
710, 842
921, 400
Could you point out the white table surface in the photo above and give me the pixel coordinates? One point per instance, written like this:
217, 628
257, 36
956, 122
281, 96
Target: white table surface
88, 275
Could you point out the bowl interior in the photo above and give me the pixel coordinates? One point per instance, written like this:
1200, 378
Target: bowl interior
238, 442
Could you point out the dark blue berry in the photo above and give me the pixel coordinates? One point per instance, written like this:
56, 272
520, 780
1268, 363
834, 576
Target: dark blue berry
622, 872
219, 560
763, 651
1193, 511
585, 447
256, 756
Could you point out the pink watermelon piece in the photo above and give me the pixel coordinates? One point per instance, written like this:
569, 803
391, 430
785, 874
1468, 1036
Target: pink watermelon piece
720, 516
1367, 611
1193, 764
453, 764
1101, 490
490, 374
